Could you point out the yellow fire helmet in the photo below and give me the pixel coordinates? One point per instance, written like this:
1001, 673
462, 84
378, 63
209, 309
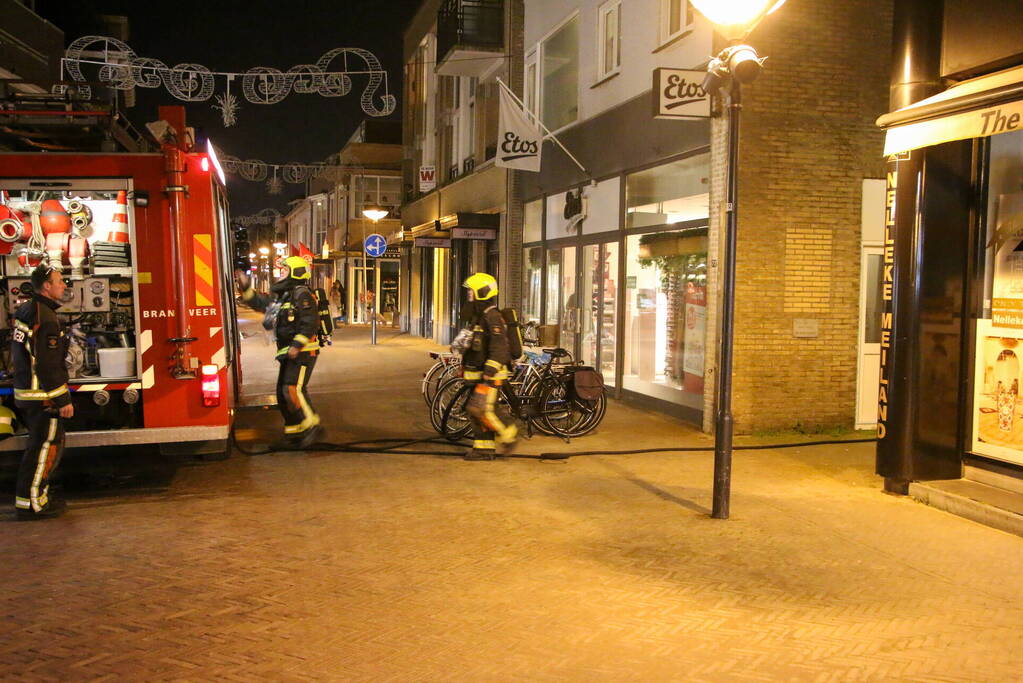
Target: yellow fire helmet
299, 267
483, 286
6, 422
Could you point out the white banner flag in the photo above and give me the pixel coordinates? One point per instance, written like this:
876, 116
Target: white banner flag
519, 141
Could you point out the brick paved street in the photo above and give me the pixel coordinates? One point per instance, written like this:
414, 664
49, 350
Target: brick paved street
327, 566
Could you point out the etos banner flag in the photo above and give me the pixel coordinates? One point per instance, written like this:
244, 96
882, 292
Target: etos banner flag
519, 140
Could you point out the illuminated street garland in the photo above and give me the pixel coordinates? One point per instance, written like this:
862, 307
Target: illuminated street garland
258, 171
122, 69
264, 217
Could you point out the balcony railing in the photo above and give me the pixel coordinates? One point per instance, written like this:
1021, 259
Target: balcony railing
469, 25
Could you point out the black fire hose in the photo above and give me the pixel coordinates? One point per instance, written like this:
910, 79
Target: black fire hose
391, 446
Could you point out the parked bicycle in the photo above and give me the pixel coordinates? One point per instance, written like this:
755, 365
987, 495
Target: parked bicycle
446, 366
449, 364
563, 398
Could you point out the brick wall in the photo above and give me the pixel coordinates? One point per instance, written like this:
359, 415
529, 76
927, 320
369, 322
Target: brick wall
807, 141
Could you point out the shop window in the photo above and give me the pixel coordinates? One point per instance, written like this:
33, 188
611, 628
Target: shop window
553, 304
672, 193
997, 407
532, 221
532, 269
560, 76
597, 317
666, 315
601, 206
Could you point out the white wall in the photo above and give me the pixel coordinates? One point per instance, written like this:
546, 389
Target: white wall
640, 39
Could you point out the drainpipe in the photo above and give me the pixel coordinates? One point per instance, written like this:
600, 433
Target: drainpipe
916, 52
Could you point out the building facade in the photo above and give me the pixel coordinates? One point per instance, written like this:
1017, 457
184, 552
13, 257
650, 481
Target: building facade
461, 213
951, 282
621, 259
365, 173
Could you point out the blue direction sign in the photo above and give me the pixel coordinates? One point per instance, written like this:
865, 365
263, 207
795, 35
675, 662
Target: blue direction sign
375, 245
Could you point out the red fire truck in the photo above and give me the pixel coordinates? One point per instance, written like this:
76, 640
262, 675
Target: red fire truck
146, 246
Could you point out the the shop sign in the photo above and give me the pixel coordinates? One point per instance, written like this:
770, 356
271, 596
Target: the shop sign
473, 234
433, 242
679, 94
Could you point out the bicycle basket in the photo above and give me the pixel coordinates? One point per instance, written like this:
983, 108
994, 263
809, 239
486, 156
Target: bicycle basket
588, 384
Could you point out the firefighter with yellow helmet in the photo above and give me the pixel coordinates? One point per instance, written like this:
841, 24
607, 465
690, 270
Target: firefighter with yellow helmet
486, 362
294, 317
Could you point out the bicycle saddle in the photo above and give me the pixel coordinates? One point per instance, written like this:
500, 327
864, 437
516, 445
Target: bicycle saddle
558, 352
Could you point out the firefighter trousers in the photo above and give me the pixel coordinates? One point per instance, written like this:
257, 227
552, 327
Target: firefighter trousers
41, 457
491, 424
293, 393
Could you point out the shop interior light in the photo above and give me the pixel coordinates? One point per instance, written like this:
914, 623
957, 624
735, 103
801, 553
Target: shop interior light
210, 386
265, 251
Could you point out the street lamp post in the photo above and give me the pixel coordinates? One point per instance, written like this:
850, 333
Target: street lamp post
373, 212
735, 65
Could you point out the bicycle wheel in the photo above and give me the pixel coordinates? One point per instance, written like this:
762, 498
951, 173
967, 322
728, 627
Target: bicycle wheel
529, 410
452, 369
440, 400
432, 380
566, 414
455, 423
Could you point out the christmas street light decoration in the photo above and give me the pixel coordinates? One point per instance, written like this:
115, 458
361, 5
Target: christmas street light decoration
227, 105
330, 76
257, 170
274, 185
263, 217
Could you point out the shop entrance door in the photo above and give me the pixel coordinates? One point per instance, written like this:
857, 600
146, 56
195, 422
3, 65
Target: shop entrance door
364, 290
869, 362
426, 290
598, 329
569, 318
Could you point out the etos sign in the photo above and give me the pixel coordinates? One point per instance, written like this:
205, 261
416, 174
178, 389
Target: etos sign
679, 94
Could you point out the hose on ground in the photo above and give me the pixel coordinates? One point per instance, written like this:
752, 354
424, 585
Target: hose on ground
396, 446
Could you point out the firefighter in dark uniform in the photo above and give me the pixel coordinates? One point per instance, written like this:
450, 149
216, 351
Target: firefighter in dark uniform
38, 348
297, 325
486, 363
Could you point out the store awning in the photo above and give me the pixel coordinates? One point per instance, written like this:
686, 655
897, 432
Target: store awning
460, 225
977, 108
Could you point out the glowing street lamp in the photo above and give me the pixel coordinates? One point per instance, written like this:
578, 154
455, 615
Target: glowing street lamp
736, 64
734, 19
375, 212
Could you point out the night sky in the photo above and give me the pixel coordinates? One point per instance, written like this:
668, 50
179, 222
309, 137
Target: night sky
230, 35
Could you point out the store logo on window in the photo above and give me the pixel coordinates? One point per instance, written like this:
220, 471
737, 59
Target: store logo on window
575, 209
